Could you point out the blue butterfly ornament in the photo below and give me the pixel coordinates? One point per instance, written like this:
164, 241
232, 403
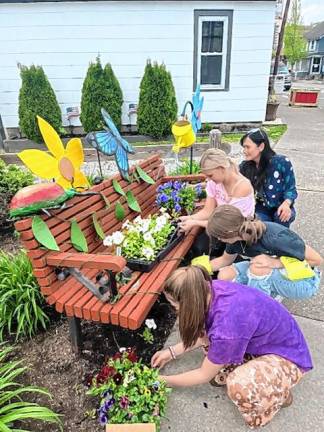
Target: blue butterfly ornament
110, 142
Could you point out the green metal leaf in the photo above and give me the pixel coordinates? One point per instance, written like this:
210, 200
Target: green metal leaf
132, 202
98, 227
118, 188
135, 177
106, 200
144, 176
119, 211
78, 239
43, 234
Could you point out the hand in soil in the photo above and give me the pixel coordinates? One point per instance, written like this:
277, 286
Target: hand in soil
161, 358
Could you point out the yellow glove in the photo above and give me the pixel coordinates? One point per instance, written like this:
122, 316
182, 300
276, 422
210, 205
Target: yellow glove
297, 270
203, 261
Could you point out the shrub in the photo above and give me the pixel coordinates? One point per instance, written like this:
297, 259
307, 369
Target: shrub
13, 409
157, 107
100, 89
12, 178
129, 391
21, 302
184, 168
36, 97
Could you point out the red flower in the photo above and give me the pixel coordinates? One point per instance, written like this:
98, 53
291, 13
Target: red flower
105, 373
117, 356
88, 381
132, 356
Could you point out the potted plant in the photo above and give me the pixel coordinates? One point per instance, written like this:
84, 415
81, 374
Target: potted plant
178, 197
129, 394
144, 242
272, 106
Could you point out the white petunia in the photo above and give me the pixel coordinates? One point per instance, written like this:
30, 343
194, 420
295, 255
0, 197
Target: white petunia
122, 349
118, 237
126, 224
148, 252
276, 174
148, 237
108, 241
150, 323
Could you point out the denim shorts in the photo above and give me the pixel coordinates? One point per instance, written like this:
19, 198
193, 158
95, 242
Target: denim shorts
276, 284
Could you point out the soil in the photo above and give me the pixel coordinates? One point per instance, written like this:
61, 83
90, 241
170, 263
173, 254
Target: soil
52, 364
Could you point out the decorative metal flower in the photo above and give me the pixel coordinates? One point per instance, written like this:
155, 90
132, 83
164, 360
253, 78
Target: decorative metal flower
63, 165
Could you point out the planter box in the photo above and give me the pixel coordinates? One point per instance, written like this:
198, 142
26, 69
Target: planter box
304, 97
135, 427
146, 266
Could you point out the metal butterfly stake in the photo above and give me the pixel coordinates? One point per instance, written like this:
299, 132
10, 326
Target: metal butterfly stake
110, 142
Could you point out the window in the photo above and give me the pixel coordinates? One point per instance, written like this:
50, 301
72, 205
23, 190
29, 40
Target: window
312, 45
213, 31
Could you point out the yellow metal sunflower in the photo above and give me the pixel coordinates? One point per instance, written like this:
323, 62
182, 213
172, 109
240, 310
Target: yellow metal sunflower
64, 166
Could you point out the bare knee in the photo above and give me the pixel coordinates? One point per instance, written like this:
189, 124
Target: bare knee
259, 271
227, 273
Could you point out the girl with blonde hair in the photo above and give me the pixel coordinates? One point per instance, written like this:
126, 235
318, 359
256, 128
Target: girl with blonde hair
225, 185
249, 348
280, 261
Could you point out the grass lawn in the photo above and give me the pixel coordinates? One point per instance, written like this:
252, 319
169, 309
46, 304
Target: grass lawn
274, 132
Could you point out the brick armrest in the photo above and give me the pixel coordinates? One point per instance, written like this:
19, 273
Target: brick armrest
90, 261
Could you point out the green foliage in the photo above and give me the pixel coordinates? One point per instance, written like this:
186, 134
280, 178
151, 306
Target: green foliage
147, 335
129, 392
36, 97
13, 409
100, 89
157, 108
184, 168
21, 302
12, 179
294, 41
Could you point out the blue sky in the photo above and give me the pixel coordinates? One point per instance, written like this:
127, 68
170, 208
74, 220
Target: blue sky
312, 11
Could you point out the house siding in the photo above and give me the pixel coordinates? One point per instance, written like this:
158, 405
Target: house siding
65, 37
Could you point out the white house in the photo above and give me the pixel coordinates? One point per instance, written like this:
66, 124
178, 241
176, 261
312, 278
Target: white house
223, 45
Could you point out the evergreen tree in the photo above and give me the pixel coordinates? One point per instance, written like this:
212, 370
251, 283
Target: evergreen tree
100, 89
36, 97
157, 108
294, 41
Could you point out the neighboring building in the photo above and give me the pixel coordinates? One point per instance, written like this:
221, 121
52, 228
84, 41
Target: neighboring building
223, 45
313, 65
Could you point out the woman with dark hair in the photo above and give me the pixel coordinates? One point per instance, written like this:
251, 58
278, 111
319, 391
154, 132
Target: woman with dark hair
255, 347
272, 177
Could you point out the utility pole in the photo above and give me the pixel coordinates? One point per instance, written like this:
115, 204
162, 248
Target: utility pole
281, 38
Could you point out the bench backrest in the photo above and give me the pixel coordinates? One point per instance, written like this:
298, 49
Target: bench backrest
81, 209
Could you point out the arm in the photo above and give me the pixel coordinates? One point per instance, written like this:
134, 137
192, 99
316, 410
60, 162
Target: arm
200, 218
202, 375
313, 258
223, 261
289, 192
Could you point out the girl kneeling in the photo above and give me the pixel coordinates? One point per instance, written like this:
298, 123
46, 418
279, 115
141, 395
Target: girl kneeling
237, 321
268, 244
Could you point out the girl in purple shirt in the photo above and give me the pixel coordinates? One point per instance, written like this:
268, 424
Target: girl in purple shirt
254, 345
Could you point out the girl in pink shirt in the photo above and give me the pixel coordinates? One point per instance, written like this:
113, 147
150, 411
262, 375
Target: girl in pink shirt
225, 185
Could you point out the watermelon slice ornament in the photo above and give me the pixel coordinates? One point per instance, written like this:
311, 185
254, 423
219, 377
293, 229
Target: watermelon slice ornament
32, 199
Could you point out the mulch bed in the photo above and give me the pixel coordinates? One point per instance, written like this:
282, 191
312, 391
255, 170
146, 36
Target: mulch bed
52, 364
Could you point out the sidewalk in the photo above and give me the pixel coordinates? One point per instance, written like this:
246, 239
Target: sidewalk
208, 409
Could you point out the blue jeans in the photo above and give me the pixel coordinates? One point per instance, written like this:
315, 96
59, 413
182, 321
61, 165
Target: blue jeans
267, 214
276, 283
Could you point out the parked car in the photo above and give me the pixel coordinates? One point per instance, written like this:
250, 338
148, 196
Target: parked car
283, 70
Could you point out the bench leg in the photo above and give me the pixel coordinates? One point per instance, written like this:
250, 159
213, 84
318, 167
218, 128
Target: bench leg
75, 334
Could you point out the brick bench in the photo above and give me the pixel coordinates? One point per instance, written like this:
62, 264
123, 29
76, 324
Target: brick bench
72, 297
